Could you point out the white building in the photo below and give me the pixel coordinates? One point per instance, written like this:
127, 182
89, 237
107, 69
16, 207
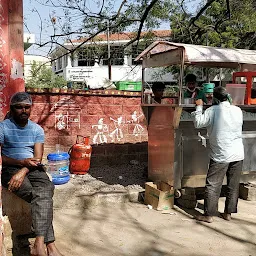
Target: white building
90, 60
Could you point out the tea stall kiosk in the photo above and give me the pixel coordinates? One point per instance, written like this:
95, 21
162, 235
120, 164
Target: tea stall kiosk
177, 152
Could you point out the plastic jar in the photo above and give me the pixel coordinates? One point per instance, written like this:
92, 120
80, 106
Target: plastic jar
58, 167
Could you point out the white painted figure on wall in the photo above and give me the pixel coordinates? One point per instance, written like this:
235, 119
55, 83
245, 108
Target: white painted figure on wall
67, 114
61, 124
138, 129
117, 134
101, 131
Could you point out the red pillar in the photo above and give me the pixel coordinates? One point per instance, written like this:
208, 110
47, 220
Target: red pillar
11, 51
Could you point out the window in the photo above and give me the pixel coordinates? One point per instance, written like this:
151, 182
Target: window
60, 63
116, 53
86, 56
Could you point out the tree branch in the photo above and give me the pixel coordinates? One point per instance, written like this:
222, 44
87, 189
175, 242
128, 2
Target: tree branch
193, 20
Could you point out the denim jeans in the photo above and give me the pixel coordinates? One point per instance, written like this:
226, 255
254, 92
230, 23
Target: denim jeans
214, 180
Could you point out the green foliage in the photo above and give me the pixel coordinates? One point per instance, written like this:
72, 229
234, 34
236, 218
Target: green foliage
43, 77
129, 17
215, 27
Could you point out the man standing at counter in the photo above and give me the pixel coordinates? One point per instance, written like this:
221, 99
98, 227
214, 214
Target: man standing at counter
191, 91
224, 125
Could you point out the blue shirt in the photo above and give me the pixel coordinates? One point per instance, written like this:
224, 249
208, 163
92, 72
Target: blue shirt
224, 125
18, 142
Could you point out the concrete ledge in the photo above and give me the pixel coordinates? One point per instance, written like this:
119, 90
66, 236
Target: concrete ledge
71, 196
18, 212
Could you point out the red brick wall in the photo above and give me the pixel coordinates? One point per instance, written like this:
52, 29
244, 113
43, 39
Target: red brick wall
64, 114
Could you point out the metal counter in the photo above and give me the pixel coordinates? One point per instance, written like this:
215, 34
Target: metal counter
178, 156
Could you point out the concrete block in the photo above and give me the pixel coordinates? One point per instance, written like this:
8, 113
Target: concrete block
103, 198
247, 191
18, 212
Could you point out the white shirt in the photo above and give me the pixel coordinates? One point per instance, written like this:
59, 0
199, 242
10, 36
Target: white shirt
224, 125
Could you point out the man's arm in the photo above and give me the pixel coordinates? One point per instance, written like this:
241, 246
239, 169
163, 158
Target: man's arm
38, 151
201, 119
18, 178
28, 162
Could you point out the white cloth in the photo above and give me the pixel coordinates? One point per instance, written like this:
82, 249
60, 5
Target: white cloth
224, 125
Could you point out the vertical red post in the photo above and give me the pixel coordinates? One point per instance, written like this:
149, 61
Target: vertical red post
11, 61
11, 51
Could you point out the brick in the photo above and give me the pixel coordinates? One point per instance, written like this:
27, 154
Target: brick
132, 101
144, 138
84, 109
95, 109
89, 119
39, 98
110, 110
119, 101
130, 138
84, 130
81, 100
102, 100
67, 140
51, 141
41, 109
45, 120
128, 110
131, 128
51, 131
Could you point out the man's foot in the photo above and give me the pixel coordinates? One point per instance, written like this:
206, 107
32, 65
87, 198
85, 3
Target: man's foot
226, 216
52, 250
208, 219
39, 248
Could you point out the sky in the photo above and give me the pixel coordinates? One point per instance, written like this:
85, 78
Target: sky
36, 14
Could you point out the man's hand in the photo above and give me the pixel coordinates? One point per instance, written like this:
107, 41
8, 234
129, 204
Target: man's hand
30, 162
17, 179
199, 102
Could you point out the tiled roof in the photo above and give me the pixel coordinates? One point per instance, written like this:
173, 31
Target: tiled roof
126, 36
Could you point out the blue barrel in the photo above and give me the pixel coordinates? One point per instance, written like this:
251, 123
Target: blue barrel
58, 167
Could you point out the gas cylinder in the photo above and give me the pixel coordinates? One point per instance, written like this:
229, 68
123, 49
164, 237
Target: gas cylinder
80, 156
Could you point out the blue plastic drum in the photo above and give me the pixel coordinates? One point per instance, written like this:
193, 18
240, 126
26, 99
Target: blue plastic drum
58, 167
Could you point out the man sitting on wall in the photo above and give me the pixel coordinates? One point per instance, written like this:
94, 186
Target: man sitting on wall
22, 144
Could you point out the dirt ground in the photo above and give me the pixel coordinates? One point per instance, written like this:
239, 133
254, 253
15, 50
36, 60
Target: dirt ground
133, 229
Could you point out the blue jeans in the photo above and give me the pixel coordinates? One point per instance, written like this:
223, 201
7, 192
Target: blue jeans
214, 180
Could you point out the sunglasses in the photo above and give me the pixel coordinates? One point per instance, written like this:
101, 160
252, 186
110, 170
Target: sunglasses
21, 107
